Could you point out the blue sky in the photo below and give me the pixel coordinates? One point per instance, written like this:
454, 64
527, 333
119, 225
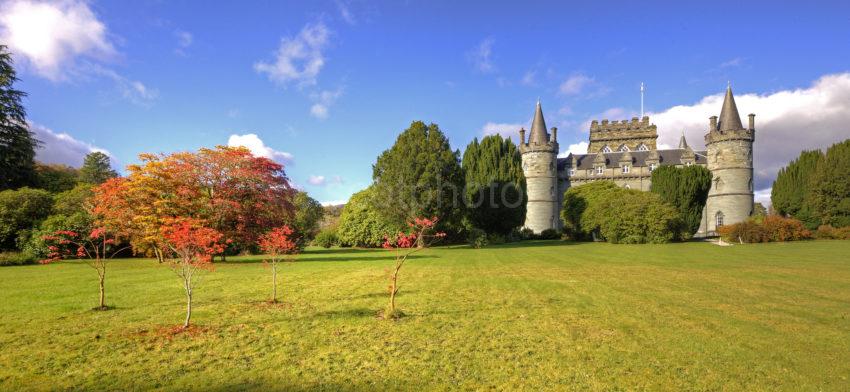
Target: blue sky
325, 86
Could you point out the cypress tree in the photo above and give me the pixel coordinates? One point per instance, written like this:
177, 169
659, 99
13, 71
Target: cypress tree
686, 189
792, 186
495, 185
17, 142
830, 187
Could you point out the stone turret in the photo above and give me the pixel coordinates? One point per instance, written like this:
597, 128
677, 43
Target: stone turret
730, 158
540, 166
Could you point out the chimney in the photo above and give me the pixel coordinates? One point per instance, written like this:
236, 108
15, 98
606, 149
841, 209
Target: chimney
752, 121
522, 136
712, 123
554, 134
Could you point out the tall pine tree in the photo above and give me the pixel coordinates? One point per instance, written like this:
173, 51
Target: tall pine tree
686, 189
792, 186
830, 187
495, 185
96, 169
17, 142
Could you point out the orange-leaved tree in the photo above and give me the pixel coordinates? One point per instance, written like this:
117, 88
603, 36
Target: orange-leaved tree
280, 245
96, 248
420, 236
192, 246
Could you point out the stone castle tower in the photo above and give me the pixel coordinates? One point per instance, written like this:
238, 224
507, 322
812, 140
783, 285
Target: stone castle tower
729, 150
540, 166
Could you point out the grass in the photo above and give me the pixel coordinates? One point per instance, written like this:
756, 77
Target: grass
531, 316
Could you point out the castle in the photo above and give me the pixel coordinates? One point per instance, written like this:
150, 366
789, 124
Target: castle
625, 152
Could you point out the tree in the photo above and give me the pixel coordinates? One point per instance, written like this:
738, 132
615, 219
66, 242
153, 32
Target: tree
793, 185
17, 142
308, 214
96, 168
830, 187
280, 245
361, 224
420, 237
72, 201
55, 178
193, 247
21, 209
686, 189
96, 248
495, 185
419, 176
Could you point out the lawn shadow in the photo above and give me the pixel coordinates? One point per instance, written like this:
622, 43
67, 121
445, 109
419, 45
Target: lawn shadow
382, 294
260, 258
348, 313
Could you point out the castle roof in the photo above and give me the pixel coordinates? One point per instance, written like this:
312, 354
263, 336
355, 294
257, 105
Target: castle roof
538, 128
639, 158
730, 120
683, 144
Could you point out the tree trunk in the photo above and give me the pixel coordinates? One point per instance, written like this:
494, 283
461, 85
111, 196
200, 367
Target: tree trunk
393, 291
188, 303
102, 291
274, 282
159, 257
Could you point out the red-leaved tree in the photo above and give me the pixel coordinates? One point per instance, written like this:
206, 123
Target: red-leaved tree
192, 246
96, 248
280, 245
421, 236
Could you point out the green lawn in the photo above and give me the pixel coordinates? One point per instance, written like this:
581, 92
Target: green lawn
532, 316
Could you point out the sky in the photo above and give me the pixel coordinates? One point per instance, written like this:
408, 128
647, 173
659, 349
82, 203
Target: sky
325, 86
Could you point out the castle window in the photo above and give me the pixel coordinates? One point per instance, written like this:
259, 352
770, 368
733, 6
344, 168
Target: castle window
643, 147
572, 172
606, 149
551, 191
750, 184
718, 219
599, 170
718, 183
688, 163
652, 167
623, 148
626, 169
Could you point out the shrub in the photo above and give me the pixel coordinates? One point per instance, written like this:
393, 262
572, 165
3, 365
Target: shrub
20, 210
477, 238
496, 238
747, 231
772, 228
827, 232
527, 234
550, 234
35, 246
15, 258
326, 238
361, 224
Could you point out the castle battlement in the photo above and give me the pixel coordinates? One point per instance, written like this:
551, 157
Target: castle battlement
633, 135
721, 136
605, 125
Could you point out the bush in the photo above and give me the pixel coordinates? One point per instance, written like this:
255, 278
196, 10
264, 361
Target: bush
773, 228
326, 238
476, 238
527, 234
827, 232
550, 234
15, 258
21, 209
496, 238
361, 224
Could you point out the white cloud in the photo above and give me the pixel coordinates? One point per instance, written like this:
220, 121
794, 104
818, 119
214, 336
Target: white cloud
529, 79
345, 12
299, 59
507, 130
577, 148
574, 84
787, 122
258, 148
322, 180
49, 36
184, 41
334, 202
60, 147
763, 196
481, 55
737, 61
322, 102
132, 90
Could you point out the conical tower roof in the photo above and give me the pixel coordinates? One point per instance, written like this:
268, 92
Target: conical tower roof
538, 128
730, 120
683, 144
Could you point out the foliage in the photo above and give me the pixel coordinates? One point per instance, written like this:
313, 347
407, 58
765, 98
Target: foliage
361, 224
477, 238
55, 177
419, 176
420, 236
192, 247
686, 189
17, 142
96, 248
75, 200
602, 210
495, 185
96, 168
772, 228
239, 195
759, 212
549, 234
792, 186
36, 246
308, 214
280, 245
828, 232
15, 258
326, 238
830, 187
21, 209
527, 234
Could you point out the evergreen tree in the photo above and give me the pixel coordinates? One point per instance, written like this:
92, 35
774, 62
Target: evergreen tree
830, 187
419, 176
308, 214
791, 187
96, 168
686, 189
17, 142
495, 185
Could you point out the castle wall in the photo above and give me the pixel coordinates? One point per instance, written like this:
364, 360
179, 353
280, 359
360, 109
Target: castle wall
629, 133
540, 177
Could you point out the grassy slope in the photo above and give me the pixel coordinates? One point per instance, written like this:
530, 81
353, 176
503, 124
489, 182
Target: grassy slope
528, 316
